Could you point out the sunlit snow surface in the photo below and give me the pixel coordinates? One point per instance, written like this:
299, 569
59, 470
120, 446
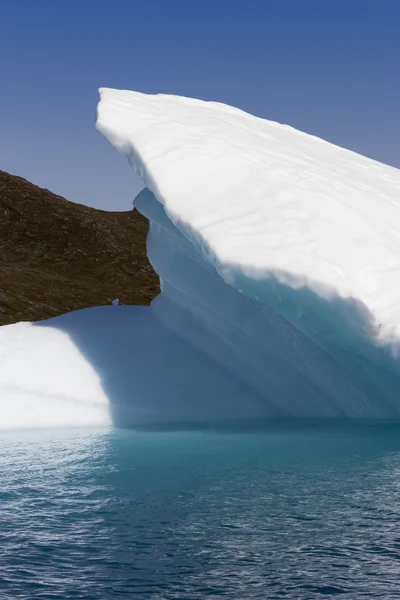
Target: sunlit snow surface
45, 380
279, 260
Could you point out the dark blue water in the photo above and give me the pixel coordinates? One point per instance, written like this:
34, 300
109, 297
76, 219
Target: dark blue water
297, 512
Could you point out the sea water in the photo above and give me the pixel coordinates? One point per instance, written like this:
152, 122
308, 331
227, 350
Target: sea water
287, 511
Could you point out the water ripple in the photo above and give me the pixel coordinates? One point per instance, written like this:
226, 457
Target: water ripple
293, 514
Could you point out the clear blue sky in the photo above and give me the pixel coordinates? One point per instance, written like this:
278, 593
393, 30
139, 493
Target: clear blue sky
328, 67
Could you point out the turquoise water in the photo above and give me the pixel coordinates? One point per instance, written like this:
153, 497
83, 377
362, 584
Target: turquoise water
296, 512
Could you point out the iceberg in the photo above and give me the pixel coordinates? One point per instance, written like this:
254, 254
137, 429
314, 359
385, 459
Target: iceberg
279, 262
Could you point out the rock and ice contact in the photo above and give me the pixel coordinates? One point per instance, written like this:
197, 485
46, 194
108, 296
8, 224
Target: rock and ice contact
279, 260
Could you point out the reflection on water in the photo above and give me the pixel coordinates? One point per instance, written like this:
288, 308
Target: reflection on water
288, 512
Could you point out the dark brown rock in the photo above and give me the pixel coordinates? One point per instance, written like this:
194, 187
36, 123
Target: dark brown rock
57, 256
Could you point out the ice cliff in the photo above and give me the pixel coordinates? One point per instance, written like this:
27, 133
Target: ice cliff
279, 261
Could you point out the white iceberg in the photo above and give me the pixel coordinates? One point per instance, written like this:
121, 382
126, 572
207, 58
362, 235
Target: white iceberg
279, 261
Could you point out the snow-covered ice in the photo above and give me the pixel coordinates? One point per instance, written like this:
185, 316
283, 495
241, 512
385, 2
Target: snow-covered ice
45, 381
279, 260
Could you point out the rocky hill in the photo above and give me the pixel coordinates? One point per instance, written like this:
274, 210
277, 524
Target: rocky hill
57, 256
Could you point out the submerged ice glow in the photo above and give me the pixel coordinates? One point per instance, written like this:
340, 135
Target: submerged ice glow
298, 512
279, 260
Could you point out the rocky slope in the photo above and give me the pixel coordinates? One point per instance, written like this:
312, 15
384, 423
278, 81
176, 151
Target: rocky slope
57, 256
